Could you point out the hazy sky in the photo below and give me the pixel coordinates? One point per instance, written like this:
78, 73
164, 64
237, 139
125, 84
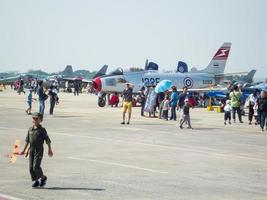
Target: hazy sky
51, 34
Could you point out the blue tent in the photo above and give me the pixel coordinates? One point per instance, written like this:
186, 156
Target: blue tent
216, 94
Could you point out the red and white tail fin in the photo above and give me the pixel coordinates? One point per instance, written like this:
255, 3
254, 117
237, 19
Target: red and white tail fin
218, 62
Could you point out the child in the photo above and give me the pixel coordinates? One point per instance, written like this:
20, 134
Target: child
227, 112
29, 101
165, 107
186, 115
35, 138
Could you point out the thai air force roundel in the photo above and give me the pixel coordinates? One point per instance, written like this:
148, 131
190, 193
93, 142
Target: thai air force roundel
188, 82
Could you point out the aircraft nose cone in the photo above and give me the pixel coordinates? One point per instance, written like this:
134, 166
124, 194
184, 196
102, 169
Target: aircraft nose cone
97, 84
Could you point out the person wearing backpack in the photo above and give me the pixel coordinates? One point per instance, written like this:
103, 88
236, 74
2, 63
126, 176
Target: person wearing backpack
235, 97
252, 99
42, 97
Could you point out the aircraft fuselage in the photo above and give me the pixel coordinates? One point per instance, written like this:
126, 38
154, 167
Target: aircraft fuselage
116, 83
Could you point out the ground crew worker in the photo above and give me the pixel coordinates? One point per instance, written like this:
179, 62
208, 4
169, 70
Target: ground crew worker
35, 138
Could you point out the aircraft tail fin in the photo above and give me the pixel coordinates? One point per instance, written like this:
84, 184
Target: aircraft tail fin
152, 66
68, 71
182, 67
146, 64
101, 72
218, 62
249, 77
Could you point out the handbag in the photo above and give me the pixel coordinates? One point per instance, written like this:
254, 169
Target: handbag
247, 103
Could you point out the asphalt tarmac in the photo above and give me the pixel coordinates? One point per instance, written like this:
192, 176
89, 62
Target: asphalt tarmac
95, 157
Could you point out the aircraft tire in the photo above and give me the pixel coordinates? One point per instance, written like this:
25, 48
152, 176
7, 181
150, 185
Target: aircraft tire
101, 102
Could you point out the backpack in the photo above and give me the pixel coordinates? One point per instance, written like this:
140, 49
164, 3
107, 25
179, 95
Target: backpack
238, 99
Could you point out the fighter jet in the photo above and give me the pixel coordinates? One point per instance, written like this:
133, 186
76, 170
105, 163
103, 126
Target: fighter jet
243, 79
261, 86
210, 76
26, 77
71, 77
10, 80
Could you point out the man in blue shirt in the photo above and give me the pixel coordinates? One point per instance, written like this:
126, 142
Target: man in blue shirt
173, 101
42, 97
182, 97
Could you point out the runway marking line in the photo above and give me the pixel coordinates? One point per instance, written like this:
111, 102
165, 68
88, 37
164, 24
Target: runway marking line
118, 164
204, 150
186, 147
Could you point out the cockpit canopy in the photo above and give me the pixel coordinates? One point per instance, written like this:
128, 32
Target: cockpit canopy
118, 71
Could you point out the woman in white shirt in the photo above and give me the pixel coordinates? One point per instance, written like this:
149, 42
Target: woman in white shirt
252, 101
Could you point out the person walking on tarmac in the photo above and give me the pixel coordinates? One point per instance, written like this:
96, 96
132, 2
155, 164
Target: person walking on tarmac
127, 96
186, 115
21, 86
262, 109
76, 87
142, 100
181, 101
52, 92
252, 99
29, 101
235, 97
34, 140
42, 97
173, 101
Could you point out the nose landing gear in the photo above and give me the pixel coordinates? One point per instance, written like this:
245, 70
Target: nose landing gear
102, 100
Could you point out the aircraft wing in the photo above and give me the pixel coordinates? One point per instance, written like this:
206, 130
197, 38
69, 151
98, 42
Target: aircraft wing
208, 89
77, 79
10, 79
231, 74
86, 81
71, 79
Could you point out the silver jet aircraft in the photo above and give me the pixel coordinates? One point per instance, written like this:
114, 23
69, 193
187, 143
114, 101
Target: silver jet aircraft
210, 76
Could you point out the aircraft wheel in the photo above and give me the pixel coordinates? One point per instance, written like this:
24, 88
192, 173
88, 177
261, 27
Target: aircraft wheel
101, 102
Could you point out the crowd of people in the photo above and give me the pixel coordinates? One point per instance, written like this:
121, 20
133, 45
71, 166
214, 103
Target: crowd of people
256, 103
43, 93
162, 103
168, 103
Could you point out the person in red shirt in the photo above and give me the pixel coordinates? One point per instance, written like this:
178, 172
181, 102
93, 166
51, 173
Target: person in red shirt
114, 100
192, 101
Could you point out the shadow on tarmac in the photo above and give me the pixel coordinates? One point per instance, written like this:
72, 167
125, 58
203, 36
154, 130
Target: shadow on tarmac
205, 129
72, 188
65, 116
